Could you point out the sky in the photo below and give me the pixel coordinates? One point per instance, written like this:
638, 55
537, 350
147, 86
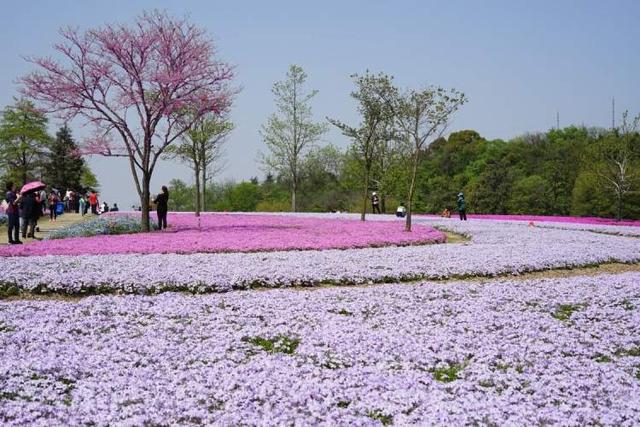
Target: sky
519, 62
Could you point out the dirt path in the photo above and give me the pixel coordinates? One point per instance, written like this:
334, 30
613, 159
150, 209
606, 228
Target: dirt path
46, 227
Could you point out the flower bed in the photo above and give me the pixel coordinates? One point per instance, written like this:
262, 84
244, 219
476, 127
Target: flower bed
495, 248
238, 233
104, 225
539, 352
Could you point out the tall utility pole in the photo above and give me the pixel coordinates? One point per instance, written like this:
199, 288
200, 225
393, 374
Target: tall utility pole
557, 120
613, 113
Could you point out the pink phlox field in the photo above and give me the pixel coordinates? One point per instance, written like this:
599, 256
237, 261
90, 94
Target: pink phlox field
238, 233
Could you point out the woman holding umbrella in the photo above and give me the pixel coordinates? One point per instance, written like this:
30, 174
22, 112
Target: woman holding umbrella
29, 207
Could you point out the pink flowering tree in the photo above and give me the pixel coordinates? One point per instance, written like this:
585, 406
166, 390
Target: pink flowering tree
141, 86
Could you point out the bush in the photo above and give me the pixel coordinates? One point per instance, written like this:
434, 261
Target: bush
106, 225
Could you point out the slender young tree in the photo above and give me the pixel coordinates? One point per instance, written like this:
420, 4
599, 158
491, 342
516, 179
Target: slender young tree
24, 141
142, 85
617, 170
201, 149
368, 138
421, 117
291, 132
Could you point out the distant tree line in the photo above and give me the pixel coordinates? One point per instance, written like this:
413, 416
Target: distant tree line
157, 89
571, 171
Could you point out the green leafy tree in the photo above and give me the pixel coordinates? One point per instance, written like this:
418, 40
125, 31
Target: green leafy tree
274, 195
489, 189
200, 148
421, 117
445, 170
374, 128
390, 173
24, 141
182, 196
617, 166
88, 179
291, 132
321, 187
529, 195
242, 197
64, 167
588, 198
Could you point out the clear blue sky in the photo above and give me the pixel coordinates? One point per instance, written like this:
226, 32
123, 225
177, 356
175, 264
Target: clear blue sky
519, 61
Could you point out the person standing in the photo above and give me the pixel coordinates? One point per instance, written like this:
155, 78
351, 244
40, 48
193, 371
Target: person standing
53, 203
375, 203
93, 202
162, 202
28, 214
82, 205
13, 216
462, 207
43, 199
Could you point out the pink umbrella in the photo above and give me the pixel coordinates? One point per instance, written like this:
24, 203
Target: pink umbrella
33, 186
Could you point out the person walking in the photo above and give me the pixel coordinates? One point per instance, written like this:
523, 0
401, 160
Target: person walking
53, 200
93, 202
13, 216
162, 201
462, 207
401, 212
375, 203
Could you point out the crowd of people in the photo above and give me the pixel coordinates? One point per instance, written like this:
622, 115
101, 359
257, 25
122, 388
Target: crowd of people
24, 209
23, 212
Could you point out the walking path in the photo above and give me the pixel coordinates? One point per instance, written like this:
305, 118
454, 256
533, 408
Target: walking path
46, 227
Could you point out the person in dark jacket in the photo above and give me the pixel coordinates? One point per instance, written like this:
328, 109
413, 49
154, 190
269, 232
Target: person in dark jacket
161, 202
13, 215
53, 203
375, 203
29, 214
462, 207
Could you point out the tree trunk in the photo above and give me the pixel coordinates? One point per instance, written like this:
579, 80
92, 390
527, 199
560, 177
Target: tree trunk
414, 171
619, 207
25, 178
145, 198
203, 200
293, 195
203, 170
197, 195
365, 196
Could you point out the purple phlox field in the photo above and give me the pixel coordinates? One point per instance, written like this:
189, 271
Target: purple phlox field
506, 352
495, 248
557, 219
